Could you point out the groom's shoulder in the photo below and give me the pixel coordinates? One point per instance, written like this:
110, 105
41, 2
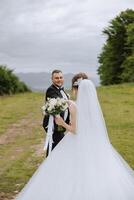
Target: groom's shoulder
51, 88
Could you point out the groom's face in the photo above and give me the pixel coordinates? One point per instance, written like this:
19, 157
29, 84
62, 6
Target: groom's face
58, 79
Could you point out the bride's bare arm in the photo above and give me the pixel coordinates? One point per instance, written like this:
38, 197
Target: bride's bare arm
72, 126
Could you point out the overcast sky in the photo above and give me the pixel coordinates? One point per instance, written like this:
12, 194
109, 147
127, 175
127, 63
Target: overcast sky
41, 35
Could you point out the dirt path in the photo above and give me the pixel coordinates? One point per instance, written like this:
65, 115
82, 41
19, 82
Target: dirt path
18, 130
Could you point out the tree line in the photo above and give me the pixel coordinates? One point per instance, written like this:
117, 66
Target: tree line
116, 61
10, 83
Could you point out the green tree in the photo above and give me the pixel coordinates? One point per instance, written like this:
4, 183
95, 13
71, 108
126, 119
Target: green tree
128, 73
114, 56
128, 64
10, 83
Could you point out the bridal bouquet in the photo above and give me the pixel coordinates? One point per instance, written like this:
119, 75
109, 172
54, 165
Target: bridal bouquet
54, 106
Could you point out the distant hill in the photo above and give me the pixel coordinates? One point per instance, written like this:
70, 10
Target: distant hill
40, 81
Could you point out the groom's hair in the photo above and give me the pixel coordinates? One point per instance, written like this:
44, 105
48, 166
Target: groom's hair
80, 75
56, 71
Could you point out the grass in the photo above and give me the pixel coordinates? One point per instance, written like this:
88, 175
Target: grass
13, 108
118, 107
22, 135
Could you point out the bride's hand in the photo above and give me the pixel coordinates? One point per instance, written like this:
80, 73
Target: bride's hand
59, 121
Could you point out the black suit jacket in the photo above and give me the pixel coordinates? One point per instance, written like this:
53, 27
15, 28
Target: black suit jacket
53, 92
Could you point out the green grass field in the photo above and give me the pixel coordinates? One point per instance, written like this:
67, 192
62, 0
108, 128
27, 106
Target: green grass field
22, 135
21, 140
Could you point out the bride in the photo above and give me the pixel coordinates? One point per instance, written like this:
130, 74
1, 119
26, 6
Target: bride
84, 165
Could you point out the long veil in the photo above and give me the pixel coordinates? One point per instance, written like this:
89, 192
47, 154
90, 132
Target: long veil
89, 113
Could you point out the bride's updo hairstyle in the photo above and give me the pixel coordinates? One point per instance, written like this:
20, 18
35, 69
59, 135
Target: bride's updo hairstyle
76, 80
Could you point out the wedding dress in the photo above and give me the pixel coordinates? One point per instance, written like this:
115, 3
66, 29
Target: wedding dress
83, 166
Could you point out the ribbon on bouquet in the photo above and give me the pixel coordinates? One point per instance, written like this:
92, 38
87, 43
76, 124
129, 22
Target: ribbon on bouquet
49, 136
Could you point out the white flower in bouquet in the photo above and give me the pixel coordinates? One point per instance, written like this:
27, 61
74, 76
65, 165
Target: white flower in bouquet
53, 102
43, 110
59, 101
54, 106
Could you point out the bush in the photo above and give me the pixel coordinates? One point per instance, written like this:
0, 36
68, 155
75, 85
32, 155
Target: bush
10, 83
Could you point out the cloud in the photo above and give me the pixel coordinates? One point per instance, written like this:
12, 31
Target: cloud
39, 35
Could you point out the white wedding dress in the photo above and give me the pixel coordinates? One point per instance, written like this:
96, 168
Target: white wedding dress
83, 166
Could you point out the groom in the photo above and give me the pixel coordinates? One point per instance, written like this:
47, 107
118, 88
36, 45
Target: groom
54, 91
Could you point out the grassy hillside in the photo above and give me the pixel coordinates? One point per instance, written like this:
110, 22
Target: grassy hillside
21, 133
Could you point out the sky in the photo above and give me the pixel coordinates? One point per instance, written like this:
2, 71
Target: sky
43, 35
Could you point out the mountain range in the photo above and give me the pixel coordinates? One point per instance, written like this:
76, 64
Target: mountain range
42, 80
